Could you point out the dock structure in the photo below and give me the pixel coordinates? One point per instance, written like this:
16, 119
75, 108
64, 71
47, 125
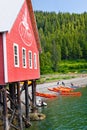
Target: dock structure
19, 62
12, 116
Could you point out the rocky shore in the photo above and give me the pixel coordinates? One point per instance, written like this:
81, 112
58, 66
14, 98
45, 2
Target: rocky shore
79, 82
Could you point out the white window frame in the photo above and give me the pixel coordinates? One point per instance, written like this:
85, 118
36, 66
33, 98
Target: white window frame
35, 61
24, 58
16, 55
30, 59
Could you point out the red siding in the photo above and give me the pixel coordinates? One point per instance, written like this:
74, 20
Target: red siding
18, 74
1, 61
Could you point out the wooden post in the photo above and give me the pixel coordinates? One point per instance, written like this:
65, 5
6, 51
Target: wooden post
5, 112
1, 99
26, 104
34, 93
19, 106
12, 94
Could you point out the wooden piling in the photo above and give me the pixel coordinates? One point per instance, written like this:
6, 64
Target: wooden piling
12, 94
34, 93
15, 106
10, 100
26, 105
19, 106
5, 111
1, 99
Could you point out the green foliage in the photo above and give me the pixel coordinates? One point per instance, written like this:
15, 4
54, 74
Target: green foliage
73, 66
55, 77
45, 63
63, 36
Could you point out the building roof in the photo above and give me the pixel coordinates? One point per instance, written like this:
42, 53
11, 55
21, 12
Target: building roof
9, 9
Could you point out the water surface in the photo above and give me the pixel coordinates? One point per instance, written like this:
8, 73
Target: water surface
64, 113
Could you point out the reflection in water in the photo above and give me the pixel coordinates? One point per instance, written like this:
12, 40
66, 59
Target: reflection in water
64, 113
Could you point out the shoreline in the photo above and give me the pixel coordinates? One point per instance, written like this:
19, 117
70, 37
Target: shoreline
43, 88
80, 82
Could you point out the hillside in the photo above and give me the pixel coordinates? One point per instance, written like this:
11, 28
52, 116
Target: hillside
63, 36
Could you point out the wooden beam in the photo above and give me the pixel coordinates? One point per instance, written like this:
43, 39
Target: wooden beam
12, 94
19, 106
5, 111
34, 93
26, 105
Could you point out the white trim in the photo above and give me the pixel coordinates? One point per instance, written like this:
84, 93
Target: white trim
15, 44
5, 58
30, 60
35, 61
24, 66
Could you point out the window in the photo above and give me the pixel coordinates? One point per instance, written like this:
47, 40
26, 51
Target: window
24, 57
30, 59
16, 55
35, 61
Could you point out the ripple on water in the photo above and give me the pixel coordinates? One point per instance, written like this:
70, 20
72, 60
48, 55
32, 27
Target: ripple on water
65, 113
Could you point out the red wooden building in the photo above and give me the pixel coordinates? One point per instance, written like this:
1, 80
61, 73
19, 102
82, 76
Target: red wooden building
19, 42
19, 60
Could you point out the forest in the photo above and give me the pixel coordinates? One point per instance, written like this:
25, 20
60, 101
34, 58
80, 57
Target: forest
63, 38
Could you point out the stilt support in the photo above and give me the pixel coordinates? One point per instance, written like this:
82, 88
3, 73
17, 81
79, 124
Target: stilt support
27, 123
5, 111
34, 93
10, 105
12, 94
19, 106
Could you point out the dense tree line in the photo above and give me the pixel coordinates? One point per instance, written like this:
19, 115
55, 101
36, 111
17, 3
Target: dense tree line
63, 36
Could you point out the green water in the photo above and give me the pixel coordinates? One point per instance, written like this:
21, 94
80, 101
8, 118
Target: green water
64, 113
